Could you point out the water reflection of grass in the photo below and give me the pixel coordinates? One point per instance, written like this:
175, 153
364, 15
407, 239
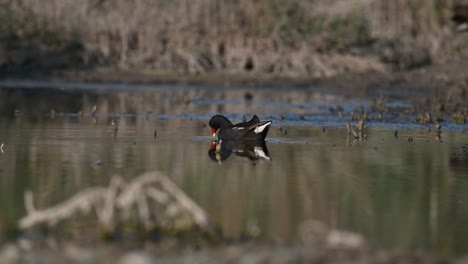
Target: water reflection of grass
395, 205
399, 195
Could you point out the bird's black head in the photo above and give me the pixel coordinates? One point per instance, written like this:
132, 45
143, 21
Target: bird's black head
219, 121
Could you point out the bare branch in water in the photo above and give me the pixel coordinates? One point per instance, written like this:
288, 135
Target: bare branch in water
142, 194
81, 202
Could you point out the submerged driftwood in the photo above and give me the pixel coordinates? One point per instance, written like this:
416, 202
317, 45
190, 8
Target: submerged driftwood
154, 197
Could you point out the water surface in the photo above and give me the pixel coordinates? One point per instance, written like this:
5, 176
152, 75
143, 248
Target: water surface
397, 193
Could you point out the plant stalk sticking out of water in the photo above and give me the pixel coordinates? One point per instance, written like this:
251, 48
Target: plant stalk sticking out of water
359, 134
348, 127
115, 128
360, 125
356, 136
93, 112
351, 131
438, 131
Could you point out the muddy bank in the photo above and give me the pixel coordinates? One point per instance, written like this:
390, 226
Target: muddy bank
434, 79
435, 88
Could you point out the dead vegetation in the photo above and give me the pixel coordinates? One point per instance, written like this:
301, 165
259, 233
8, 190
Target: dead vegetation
312, 38
151, 201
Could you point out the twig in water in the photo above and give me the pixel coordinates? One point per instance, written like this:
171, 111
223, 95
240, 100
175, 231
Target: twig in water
360, 125
121, 196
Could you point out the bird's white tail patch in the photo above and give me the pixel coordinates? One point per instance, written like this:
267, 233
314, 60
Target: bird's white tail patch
259, 129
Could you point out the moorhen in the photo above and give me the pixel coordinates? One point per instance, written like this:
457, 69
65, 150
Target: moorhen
251, 130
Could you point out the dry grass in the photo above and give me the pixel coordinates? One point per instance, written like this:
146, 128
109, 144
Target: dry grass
269, 36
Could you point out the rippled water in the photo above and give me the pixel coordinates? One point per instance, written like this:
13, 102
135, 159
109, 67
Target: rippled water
398, 194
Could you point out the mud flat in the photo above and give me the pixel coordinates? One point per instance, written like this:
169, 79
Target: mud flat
434, 81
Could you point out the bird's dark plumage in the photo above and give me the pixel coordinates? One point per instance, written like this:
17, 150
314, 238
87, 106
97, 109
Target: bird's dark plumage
251, 130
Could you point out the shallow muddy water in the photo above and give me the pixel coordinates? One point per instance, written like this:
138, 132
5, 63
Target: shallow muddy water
404, 192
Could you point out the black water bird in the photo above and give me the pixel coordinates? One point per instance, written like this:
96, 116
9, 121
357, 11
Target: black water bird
251, 130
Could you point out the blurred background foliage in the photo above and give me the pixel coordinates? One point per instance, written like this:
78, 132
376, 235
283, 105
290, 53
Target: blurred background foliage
310, 37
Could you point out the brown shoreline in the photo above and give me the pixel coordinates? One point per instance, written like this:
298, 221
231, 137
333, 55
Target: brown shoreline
437, 77
432, 89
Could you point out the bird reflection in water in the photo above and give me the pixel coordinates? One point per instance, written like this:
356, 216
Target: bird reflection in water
255, 151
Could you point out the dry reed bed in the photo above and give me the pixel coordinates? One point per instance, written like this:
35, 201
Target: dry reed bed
317, 38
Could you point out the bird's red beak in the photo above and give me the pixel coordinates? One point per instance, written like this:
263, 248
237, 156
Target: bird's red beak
213, 132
